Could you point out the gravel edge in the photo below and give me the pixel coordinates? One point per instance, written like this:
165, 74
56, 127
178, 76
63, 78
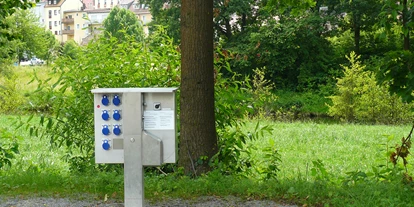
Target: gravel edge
206, 201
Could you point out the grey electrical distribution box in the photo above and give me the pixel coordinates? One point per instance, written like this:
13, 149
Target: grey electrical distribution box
137, 127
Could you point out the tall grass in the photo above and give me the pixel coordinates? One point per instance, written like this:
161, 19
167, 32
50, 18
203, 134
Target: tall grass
341, 147
26, 73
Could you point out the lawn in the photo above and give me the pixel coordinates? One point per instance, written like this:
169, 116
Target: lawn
41, 170
342, 148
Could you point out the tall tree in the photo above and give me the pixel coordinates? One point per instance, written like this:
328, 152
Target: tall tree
361, 15
29, 37
198, 141
167, 14
398, 67
7, 8
121, 22
232, 17
400, 13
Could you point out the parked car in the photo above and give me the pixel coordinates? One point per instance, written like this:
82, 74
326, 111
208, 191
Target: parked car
36, 61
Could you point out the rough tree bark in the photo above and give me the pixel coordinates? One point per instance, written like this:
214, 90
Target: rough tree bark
198, 139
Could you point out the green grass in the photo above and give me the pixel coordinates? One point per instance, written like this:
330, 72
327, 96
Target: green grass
40, 170
26, 73
341, 147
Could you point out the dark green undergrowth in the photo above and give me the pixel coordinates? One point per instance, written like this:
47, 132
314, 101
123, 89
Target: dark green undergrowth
300, 105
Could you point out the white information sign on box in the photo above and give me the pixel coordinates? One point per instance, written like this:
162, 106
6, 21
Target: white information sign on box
159, 120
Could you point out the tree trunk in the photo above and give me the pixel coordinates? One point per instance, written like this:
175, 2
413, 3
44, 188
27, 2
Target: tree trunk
405, 19
357, 33
198, 139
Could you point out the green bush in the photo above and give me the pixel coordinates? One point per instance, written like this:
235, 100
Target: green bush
104, 63
70, 49
297, 105
11, 100
360, 98
9, 147
239, 97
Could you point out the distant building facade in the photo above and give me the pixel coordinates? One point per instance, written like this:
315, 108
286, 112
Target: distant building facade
78, 19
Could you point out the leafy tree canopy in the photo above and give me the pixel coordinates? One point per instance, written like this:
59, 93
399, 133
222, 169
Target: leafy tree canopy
167, 14
28, 37
295, 6
122, 22
8, 7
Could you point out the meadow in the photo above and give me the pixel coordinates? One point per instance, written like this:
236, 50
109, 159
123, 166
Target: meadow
322, 164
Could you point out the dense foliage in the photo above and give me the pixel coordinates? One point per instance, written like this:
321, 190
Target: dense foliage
302, 51
25, 39
360, 98
105, 62
122, 23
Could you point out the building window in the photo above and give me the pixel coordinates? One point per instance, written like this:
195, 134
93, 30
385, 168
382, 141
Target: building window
55, 23
59, 22
77, 14
143, 18
59, 32
56, 32
50, 14
77, 26
54, 1
55, 12
50, 24
83, 15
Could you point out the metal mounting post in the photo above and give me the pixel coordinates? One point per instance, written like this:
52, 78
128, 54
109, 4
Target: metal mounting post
133, 168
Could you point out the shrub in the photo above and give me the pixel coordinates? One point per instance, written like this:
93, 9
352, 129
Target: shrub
8, 147
360, 98
104, 63
10, 97
237, 98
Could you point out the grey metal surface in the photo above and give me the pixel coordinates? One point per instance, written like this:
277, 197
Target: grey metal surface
133, 168
134, 90
151, 150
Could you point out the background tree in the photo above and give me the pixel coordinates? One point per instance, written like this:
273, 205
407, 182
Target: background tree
122, 22
398, 66
50, 48
8, 7
232, 17
361, 15
166, 13
29, 38
7, 36
198, 139
71, 49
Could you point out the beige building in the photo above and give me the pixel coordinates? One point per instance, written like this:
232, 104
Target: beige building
75, 26
103, 4
54, 13
76, 19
